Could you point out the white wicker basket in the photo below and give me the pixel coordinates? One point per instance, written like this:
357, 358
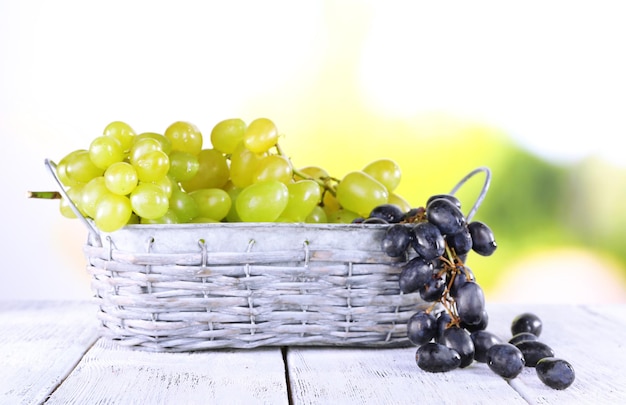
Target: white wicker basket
205, 286
191, 287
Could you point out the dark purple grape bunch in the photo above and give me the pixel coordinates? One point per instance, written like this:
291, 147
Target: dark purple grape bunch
435, 241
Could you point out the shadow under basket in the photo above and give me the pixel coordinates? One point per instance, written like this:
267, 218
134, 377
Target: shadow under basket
191, 287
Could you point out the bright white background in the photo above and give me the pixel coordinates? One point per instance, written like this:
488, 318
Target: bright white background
551, 74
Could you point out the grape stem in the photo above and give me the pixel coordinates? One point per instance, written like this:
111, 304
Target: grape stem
44, 195
452, 266
326, 182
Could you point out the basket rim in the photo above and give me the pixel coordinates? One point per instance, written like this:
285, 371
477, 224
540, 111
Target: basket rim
286, 225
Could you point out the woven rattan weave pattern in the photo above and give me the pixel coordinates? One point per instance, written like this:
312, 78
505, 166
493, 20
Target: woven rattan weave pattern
244, 285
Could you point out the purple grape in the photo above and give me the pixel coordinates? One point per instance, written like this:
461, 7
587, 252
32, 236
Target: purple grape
448, 197
433, 289
428, 241
421, 328
481, 325
470, 303
437, 358
443, 321
555, 373
505, 360
391, 213
460, 242
483, 241
533, 351
522, 337
446, 216
483, 340
526, 322
415, 274
460, 278
373, 220
396, 240
460, 340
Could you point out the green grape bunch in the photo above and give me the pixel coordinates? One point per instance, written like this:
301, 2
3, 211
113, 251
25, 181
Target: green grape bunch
239, 174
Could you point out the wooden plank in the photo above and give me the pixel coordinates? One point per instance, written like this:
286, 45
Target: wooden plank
40, 343
113, 374
593, 344
388, 376
590, 338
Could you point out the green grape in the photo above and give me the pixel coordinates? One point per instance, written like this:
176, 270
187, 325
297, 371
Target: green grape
185, 137
105, 150
64, 206
183, 205
169, 217
343, 216
227, 134
243, 164
90, 194
122, 132
143, 146
213, 171
321, 176
317, 216
166, 184
212, 203
304, 195
260, 135
398, 200
149, 201
121, 178
112, 212
361, 193
166, 144
312, 172
78, 167
183, 166
262, 202
61, 169
386, 171
152, 166
134, 219
233, 192
274, 167
330, 203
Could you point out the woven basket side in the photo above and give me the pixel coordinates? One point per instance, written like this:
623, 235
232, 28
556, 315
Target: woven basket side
251, 296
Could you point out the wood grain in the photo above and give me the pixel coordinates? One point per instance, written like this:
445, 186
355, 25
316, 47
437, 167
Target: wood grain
113, 374
40, 343
50, 353
592, 343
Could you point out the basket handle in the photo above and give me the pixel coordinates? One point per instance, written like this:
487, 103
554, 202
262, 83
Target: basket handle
51, 166
483, 191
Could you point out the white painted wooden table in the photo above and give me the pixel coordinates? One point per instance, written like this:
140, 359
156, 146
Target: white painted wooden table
50, 353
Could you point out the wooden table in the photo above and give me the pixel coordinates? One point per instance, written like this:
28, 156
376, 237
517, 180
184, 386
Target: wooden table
50, 353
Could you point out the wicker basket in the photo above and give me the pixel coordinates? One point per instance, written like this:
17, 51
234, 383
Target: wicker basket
205, 286
190, 287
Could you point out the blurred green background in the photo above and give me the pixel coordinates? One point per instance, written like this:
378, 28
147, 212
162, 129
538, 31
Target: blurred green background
533, 90
559, 226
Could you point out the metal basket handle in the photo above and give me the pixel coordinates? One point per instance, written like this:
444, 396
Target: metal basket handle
483, 191
93, 233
